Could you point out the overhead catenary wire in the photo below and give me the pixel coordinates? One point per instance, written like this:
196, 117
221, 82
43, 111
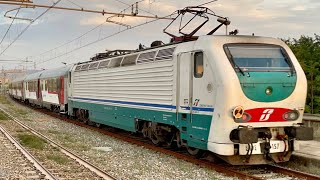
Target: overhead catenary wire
94, 28
138, 8
103, 12
26, 28
106, 37
9, 26
109, 36
74, 3
209, 2
77, 38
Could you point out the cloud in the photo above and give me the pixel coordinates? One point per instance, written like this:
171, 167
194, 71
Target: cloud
286, 18
112, 20
299, 8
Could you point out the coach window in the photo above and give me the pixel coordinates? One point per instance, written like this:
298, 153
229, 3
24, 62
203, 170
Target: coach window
198, 64
46, 85
70, 77
49, 85
54, 85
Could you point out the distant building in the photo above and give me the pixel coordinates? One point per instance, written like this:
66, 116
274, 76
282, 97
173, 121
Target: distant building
4, 80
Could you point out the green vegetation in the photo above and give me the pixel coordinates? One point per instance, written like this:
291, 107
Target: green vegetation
3, 116
58, 159
53, 132
31, 141
21, 111
307, 51
4, 100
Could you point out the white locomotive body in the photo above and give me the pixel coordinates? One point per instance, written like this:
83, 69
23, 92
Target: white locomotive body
237, 96
240, 97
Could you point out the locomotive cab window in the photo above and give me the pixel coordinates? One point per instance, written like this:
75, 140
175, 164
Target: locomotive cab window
198, 65
258, 57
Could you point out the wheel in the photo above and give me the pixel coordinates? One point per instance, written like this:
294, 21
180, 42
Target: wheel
195, 152
85, 121
178, 140
145, 130
155, 140
98, 125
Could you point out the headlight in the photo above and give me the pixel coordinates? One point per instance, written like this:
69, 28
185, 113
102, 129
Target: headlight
291, 116
269, 90
238, 112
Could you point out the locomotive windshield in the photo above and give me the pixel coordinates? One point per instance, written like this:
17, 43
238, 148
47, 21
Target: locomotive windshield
254, 57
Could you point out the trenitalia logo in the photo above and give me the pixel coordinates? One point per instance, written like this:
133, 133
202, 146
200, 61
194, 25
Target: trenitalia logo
266, 114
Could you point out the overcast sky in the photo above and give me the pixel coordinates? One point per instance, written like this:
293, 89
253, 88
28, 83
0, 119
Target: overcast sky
43, 41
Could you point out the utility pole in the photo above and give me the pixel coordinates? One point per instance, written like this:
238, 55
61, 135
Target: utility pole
5, 85
2, 81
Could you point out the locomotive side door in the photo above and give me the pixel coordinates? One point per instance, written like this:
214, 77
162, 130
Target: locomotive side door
184, 93
193, 99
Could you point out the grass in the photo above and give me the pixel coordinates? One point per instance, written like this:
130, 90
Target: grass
53, 132
32, 141
4, 100
58, 159
67, 138
83, 147
21, 111
3, 116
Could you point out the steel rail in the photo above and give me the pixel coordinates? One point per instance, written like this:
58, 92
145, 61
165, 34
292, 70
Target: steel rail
32, 159
67, 152
103, 12
219, 168
184, 157
293, 173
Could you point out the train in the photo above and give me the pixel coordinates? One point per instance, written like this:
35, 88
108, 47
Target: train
239, 97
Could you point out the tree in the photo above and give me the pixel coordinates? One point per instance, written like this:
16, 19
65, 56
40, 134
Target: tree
307, 51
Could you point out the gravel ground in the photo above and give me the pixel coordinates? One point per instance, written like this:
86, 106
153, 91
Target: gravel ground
13, 164
60, 165
122, 160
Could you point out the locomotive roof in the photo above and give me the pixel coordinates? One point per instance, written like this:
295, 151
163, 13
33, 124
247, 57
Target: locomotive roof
132, 52
62, 71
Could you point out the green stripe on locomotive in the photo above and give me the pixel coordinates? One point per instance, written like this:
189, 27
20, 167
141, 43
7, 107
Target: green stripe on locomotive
195, 132
255, 84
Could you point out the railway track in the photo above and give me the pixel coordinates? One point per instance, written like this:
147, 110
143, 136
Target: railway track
275, 172
75, 168
249, 172
16, 156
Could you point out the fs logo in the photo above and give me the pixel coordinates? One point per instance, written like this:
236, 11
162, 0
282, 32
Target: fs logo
266, 114
196, 102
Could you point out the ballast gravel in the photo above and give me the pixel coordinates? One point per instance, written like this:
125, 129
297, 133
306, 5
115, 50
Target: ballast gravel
121, 159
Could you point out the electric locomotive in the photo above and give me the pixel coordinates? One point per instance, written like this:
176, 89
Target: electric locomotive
239, 97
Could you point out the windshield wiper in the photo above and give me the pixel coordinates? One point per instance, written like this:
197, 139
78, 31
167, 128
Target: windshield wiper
241, 71
236, 65
284, 54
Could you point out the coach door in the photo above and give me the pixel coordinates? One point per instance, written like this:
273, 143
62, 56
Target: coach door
184, 92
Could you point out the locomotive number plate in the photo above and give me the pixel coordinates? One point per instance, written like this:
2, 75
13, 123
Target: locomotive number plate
276, 146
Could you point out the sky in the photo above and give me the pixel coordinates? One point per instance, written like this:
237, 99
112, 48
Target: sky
64, 37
